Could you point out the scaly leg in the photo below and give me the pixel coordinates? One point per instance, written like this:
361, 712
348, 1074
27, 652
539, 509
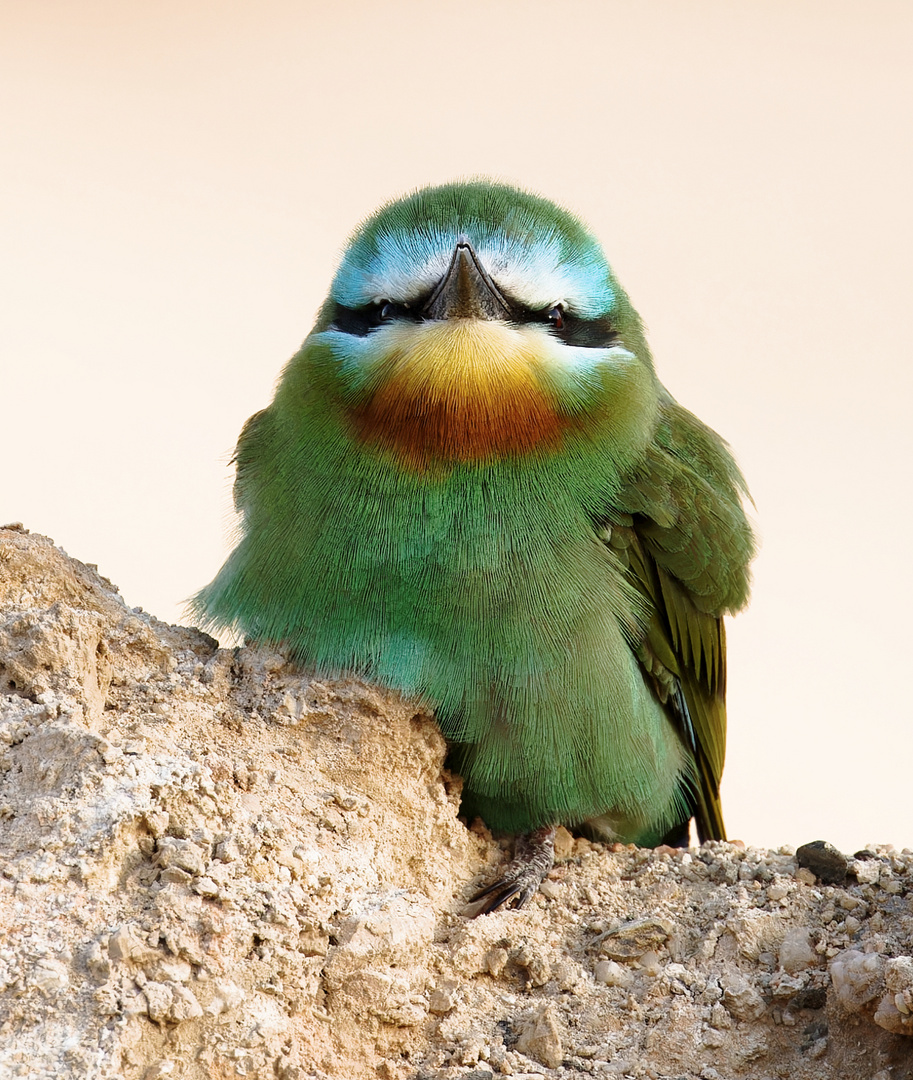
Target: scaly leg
534, 856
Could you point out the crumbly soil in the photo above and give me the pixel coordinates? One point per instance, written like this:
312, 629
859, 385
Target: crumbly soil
213, 866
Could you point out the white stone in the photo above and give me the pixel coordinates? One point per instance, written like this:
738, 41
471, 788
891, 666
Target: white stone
857, 978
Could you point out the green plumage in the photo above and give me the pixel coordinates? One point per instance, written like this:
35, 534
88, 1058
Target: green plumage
559, 606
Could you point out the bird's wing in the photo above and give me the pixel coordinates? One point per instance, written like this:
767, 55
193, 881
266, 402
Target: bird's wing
679, 527
246, 456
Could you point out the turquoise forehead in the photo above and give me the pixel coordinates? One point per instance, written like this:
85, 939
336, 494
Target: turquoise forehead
536, 252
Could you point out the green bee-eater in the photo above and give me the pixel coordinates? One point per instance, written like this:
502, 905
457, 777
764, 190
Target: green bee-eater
471, 486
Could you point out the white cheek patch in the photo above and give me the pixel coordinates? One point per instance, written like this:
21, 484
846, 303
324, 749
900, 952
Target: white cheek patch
357, 357
577, 375
577, 362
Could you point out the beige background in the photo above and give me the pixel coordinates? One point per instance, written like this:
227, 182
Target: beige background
178, 179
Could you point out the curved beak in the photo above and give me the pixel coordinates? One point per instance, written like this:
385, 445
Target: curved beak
466, 291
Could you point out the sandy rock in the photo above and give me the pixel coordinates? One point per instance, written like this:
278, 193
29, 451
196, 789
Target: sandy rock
540, 1037
796, 952
611, 973
857, 978
895, 1010
741, 997
214, 865
866, 871
635, 938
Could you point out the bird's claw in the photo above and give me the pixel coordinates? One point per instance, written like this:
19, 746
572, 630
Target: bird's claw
533, 859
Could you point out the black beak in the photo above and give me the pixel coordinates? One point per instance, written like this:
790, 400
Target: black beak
466, 291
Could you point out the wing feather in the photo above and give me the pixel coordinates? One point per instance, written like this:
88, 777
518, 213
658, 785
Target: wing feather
680, 528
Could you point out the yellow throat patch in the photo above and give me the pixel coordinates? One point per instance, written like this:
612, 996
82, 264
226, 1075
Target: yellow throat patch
460, 390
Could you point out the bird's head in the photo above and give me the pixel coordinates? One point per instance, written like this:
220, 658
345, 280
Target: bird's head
475, 320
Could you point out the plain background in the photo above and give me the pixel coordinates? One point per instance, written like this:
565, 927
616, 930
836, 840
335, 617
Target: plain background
179, 177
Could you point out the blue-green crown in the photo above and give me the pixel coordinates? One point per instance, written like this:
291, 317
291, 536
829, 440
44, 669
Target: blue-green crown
537, 252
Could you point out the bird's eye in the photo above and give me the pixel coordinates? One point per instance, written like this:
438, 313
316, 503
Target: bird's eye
556, 317
387, 310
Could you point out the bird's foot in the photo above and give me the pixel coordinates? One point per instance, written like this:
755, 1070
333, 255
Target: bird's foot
533, 857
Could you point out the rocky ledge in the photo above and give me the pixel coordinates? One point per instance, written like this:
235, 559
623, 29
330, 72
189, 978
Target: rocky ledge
214, 866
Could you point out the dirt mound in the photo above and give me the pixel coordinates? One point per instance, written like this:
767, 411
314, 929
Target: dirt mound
214, 866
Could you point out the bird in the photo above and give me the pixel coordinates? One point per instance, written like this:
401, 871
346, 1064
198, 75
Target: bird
472, 488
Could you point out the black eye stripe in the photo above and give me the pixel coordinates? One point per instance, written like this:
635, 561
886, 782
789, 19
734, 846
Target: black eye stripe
357, 321
597, 333
361, 321
587, 333
584, 333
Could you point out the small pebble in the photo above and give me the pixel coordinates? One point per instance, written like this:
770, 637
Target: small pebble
611, 973
824, 860
865, 871
495, 961
551, 890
